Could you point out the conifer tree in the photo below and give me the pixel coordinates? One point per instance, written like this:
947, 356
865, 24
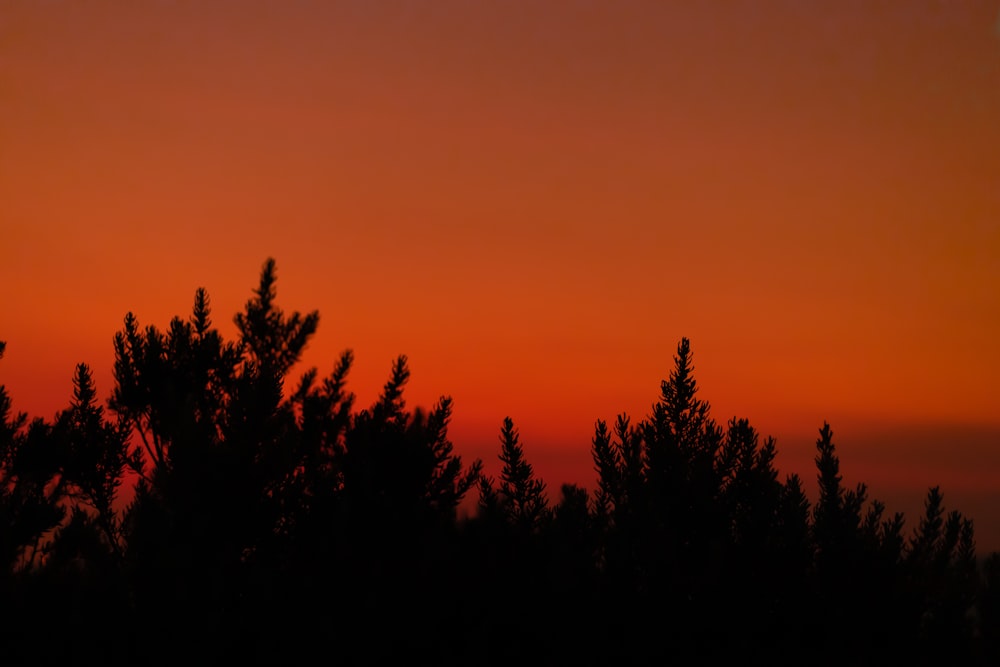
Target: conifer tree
944, 578
94, 457
751, 490
619, 463
218, 456
925, 543
402, 463
573, 538
796, 544
275, 342
687, 526
607, 464
831, 500
682, 446
30, 495
520, 495
323, 413
258, 502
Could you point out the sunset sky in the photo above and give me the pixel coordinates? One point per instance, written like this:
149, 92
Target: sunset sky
535, 201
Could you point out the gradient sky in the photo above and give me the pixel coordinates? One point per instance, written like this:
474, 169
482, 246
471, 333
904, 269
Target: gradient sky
535, 201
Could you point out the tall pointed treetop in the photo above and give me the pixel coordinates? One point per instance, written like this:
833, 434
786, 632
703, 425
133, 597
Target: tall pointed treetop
275, 342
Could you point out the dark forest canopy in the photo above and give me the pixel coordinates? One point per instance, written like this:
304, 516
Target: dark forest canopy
272, 518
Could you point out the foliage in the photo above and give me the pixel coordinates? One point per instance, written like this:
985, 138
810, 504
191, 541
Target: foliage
520, 496
216, 502
30, 489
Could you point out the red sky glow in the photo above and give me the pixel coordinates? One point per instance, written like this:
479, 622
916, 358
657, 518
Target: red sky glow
535, 202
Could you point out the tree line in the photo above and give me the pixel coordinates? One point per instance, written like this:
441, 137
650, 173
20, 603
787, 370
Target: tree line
272, 520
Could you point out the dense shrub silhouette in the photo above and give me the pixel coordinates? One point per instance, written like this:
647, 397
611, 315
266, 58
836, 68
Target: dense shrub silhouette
215, 508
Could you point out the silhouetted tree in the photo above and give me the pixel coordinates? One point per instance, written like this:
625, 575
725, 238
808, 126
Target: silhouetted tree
943, 581
751, 490
520, 494
683, 548
620, 464
218, 460
266, 510
30, 492
95, 457
275, 342
401, 465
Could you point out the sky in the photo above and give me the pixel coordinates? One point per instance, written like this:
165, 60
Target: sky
535, 201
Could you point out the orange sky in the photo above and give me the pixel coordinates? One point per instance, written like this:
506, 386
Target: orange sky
535, 202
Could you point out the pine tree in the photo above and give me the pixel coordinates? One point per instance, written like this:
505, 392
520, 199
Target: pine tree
219, 456
682, 543
829, 508
30, 492
682, 445
95, 456
401, 464
751, 493
794, 527
681, 438
275, 342
520, 494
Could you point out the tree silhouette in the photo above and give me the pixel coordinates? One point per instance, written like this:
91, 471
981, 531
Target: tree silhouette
620, 465
401, 464
275, 342
944, 579
219, 458
30, 492
511, 542
95, 457
271, 520
520, 495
